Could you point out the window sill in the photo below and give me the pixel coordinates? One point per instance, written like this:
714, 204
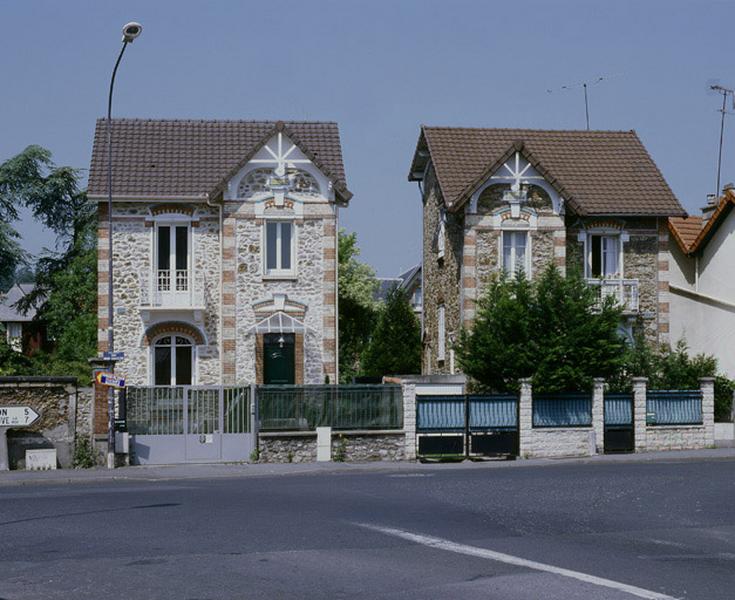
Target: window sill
280, 277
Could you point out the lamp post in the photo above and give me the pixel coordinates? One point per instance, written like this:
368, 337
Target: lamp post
130, 32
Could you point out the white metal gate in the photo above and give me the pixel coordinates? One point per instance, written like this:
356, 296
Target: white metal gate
182, 424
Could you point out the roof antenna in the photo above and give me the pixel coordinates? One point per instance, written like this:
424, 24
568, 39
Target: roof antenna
715, 88
584, 85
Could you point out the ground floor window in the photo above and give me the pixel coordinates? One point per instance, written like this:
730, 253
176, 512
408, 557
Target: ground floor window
173, 360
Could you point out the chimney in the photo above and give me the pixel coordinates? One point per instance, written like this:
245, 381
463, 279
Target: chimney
713, 202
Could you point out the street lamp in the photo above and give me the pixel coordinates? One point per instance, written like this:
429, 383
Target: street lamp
130, 32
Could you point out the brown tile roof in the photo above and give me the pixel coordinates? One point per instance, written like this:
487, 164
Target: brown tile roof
176, 158
691, 237
597, 172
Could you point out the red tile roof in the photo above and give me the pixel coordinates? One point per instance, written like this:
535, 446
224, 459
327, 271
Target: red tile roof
597, 172
176, 158
692, 234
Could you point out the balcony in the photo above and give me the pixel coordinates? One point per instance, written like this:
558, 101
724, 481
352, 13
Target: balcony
624, 291
171, 291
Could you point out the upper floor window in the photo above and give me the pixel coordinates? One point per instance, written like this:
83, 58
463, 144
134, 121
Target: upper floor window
603, 256
173, 360
515, 254
172, 258
279, 248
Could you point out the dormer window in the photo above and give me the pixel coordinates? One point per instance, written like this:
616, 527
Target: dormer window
603, 259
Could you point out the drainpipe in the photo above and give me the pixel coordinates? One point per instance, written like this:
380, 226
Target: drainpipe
220, 342
336, 294
696, 272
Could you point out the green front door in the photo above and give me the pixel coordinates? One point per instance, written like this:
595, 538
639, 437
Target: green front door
279, 361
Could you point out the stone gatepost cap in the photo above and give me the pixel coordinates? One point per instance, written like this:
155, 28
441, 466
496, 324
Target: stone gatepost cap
598, 379
525, 380
639, 379
707, 379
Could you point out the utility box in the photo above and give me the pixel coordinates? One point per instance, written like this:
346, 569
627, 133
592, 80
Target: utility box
323, 444
122, 442
41, 460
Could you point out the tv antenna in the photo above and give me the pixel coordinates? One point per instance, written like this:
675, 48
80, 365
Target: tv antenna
584, 85
716, 88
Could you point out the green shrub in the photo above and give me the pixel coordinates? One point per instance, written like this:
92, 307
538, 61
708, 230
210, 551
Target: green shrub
84, 456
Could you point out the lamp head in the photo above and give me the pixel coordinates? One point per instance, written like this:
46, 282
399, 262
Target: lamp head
131, 31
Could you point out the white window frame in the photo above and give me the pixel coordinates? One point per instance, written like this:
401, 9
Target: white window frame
279, 272
441, 346
14, 330
527, 260
441, 239
172, 225
621, 239
152, 358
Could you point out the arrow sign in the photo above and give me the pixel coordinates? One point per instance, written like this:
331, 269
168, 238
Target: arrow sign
17, 416
104, 378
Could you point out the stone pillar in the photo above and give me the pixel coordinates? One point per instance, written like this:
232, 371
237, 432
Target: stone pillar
640, 408
707, 384
525, 418
409, 418
598, 413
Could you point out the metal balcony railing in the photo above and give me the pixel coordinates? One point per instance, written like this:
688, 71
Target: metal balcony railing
624, 291
171, 289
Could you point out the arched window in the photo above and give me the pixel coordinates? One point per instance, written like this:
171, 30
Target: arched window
173, 360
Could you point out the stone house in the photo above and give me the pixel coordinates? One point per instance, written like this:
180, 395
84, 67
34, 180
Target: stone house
702, 289
224, 249
511, 199
23, 332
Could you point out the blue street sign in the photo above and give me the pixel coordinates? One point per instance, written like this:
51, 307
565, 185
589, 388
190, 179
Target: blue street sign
113, 355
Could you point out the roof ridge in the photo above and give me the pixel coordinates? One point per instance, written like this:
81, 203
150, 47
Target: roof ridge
252, 121
527, 129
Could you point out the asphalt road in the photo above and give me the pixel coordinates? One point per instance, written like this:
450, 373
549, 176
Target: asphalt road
570, 531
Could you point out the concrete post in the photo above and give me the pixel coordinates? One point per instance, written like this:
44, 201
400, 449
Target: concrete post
598, 413
707, 384
409, 419
4, 456
640, 385
525, 418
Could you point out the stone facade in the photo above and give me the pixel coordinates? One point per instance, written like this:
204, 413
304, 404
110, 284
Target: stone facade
66, 415
355, 446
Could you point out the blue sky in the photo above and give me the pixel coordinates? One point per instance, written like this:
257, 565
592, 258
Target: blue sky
380, 69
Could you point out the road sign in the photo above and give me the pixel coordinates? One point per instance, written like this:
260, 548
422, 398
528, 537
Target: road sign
113, 355
104, 378
17, 416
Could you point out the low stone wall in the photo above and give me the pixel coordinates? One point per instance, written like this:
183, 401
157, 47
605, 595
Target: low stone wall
664, 437
557, 442
354, 446
66, 413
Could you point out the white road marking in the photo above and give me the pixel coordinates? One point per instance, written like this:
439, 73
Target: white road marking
449, 546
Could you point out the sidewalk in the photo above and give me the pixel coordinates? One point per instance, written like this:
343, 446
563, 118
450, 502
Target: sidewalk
220, 471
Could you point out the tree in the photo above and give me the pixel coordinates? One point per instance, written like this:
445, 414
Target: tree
357, 307
395, 346
552, 330
65, 293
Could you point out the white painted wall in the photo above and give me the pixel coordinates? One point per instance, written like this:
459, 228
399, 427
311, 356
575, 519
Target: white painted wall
703, 305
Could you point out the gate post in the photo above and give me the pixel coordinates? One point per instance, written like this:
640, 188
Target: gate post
598, 413
409, 419
707, 385
254, 418
525, 418
640, 407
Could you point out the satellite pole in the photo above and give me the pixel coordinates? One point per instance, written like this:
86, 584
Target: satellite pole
584, 85
725, 93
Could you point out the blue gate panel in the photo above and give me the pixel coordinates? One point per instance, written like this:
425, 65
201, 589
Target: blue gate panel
493, 412
440, 413
618, 409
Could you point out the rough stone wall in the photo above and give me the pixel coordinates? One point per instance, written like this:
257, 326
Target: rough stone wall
356, 446
66, 414
132, 257
488, 259
542, 251
441, 276
306, 288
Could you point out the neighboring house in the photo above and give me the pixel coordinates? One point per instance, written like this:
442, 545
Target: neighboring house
224, 249
702, 284
523, 199
409, 281
22, 333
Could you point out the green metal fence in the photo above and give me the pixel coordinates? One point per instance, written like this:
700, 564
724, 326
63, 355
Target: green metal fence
302, 407
566, 409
